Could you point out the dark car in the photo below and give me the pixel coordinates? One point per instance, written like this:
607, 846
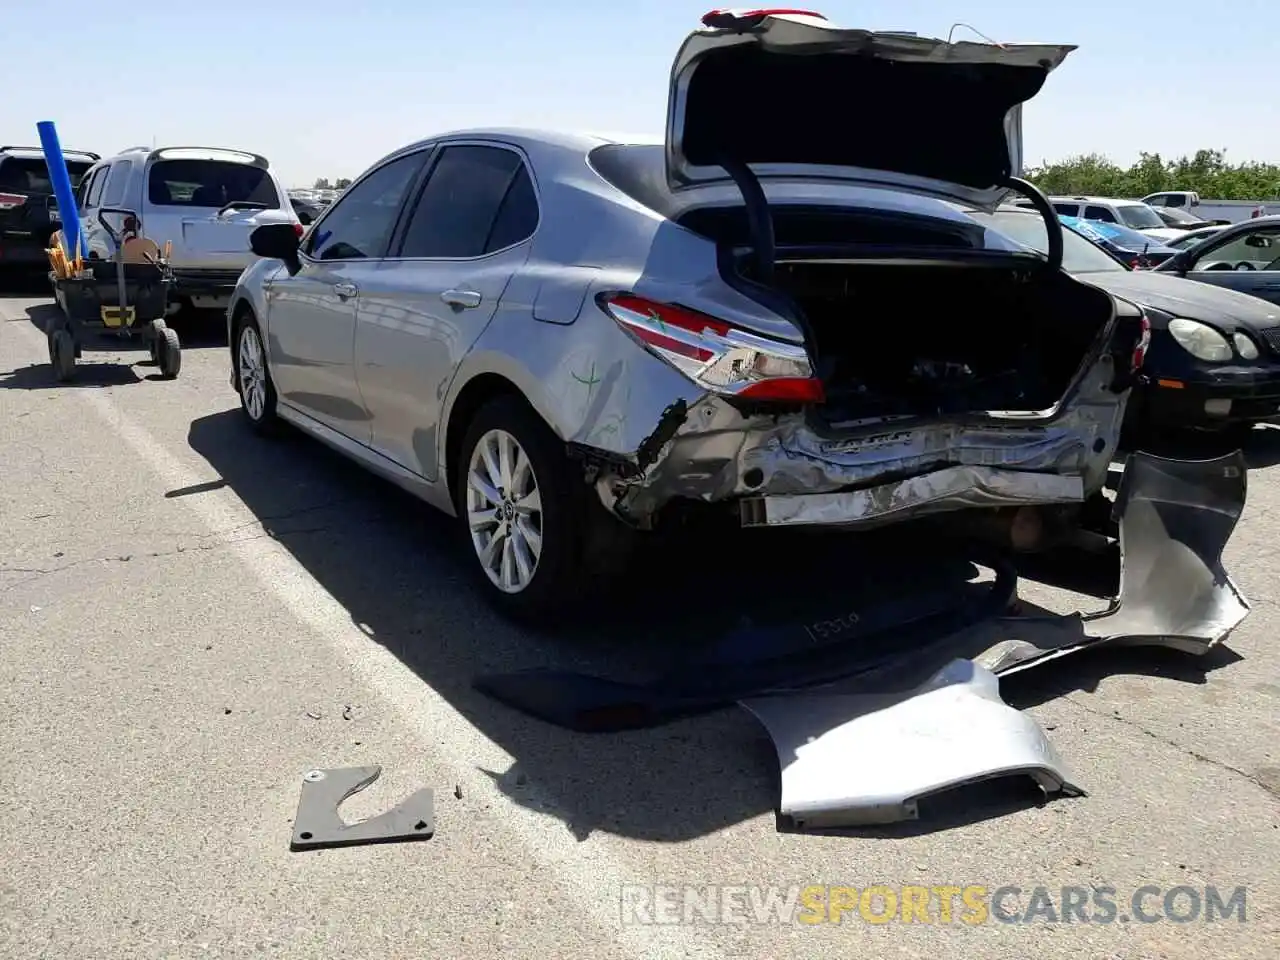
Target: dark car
1192, 237
1138, 250
306, 210
1181, 220
1214, 358
28, 210
1244, 257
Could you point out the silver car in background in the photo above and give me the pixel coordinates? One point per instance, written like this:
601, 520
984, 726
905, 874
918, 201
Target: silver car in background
777, 311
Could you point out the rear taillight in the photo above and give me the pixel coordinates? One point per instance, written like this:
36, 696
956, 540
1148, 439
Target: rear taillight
1144, 341
716, 355
11, 201
299, 229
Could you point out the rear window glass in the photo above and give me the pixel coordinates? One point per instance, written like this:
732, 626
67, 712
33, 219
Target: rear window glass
30, 175
209, 184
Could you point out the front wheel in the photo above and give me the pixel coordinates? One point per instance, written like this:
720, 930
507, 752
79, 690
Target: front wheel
253, 379
530, 522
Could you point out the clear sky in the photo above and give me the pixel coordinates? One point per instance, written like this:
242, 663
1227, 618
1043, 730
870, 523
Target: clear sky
325, 88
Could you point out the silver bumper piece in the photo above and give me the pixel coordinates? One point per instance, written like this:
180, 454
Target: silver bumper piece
948, 489
853, 760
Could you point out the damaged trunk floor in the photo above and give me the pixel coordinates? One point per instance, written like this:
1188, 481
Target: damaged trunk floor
929, 656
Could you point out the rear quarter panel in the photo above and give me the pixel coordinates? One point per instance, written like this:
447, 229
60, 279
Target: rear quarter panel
591, 383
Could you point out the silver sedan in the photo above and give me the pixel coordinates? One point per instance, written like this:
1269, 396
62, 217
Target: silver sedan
563, 339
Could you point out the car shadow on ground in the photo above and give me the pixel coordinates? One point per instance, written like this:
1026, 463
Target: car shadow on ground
401, 571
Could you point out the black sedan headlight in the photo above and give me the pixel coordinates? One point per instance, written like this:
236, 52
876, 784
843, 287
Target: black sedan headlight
1245, 346
1204, 342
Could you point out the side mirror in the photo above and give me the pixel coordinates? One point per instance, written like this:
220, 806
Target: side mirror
1179, 263
1257, 240
277, 241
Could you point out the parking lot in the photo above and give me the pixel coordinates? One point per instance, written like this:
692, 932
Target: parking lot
193, 617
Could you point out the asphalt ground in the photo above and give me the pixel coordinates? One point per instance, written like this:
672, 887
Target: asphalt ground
192, 617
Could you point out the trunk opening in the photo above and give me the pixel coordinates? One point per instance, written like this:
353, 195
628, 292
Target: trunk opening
935, 340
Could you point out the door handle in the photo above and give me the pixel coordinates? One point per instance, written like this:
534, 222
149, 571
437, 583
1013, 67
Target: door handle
461, 299
345, 291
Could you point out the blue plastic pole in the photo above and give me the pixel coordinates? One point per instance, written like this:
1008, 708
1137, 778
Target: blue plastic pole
73, 238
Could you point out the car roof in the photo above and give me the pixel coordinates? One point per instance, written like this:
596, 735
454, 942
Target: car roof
1110, 201
530, 136
35, 153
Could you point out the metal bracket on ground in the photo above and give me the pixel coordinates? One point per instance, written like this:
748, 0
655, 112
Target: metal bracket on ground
318, 823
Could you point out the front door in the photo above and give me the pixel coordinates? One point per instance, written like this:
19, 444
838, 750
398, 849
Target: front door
465, 237
311, 316
1248, 262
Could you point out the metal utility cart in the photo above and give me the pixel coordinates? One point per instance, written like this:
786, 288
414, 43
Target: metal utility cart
124, 299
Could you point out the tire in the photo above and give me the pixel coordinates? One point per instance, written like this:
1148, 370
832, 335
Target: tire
153, 342
62, 355
169, 353
581, 546
254, 386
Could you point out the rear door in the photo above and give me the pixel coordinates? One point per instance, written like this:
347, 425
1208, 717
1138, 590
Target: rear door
421, 311
207, 202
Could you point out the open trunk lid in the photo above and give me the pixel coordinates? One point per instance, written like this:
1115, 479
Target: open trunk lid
793, 96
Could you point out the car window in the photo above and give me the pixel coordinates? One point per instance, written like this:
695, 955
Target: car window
518, 216
359, 224
82, 191
1094, 212
94, 197
1078, 254
1139, 216
1186, 240
209, 184
30, 175
117, 183
1172, 216
1067, 209
462, 208
1238, 249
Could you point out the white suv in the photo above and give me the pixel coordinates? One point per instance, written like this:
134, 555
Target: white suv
1127, 213
205, 201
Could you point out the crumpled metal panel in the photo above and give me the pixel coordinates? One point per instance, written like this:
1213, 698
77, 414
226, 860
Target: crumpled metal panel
947, 489
853, 760
1175, 519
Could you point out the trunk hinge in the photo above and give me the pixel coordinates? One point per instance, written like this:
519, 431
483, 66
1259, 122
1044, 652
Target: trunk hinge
1052, 225
759, 219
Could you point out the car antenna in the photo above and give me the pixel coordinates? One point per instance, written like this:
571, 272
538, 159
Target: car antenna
973, 29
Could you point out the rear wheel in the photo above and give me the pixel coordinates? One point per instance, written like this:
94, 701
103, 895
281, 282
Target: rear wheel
536, 531
253, 379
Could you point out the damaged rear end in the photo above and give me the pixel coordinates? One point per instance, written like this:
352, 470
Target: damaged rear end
868, 353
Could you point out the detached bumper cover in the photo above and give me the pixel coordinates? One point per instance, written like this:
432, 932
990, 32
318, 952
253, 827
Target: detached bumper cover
860, 759
910, 708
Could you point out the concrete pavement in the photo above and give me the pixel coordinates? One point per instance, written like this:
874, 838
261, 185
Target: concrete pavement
192, 617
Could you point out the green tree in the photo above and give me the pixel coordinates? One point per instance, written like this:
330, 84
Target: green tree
342, 183
1207, 172
321, 184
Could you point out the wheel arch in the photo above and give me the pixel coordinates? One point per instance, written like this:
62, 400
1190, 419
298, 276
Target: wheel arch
475, 393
